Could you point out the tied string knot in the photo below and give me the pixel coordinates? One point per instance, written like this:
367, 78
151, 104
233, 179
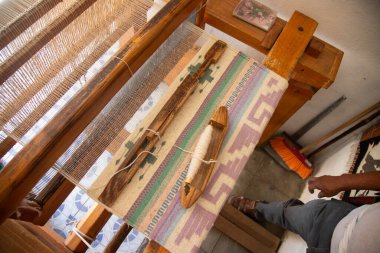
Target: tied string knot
87, 240
154, 155
194, 155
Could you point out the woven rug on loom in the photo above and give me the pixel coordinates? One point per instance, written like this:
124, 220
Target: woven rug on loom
367, 160
151, 202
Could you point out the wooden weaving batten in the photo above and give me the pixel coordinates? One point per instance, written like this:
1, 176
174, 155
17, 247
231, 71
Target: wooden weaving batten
29, 165
149, 139
191, 191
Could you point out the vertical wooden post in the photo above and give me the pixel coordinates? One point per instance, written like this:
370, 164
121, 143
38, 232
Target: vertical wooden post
90, 225
200, 20
118, 238
290, 45
53, 195
282, 59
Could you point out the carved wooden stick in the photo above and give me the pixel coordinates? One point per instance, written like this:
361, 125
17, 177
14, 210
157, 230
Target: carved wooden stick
149, 139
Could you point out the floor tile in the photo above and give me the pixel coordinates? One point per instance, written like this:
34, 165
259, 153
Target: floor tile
227, 245
212, 238
275, 177
242, 183
255, 162
263, 191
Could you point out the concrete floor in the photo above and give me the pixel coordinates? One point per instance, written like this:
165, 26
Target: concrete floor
262, 179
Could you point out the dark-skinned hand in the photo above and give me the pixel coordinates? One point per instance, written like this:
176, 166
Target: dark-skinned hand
328, 185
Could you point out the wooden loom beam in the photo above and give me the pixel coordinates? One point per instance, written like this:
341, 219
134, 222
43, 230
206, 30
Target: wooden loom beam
316, 72
10, 66
23, 22
6, 145
29, 165
245, 231
51, 197
89, 225
23, 237
290, 45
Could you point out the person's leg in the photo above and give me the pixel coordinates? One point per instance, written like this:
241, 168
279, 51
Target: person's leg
314, 221
292, 215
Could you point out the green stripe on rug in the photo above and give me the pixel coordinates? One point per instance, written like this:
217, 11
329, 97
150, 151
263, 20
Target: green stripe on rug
140, 211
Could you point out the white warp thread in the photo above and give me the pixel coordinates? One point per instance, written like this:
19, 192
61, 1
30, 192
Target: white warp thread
125, 168
84, 238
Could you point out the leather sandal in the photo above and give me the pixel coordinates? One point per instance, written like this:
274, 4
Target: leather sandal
243, 204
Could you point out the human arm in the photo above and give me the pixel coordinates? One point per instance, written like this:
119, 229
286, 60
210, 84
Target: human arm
332, 185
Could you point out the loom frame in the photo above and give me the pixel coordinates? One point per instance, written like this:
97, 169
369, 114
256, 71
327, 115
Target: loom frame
304, 81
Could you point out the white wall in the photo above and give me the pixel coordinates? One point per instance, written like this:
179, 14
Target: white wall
354, 27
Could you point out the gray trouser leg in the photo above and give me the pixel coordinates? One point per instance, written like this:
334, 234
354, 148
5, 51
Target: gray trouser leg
314, 221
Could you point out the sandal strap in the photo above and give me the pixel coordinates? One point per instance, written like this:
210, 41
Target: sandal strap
243, 204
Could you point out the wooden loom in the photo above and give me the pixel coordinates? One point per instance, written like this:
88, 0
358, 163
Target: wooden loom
159, 125
307, 70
